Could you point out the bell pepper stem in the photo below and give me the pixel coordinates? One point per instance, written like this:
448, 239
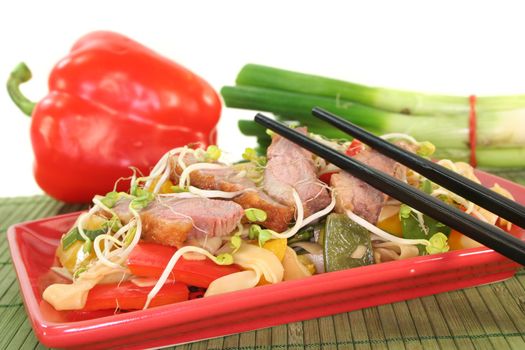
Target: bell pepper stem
20, 75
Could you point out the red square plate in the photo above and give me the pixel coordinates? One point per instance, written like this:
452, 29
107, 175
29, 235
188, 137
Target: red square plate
33, 245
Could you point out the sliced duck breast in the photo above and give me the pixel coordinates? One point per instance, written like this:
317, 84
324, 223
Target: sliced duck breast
229, 179
171, 221
291, 167
359, 197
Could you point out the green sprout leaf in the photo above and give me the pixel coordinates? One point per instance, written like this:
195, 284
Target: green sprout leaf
249, 154
213, 153
253, 233
426, 149
426, 186
438, 244
264, 236
235, 243
110, 199
224, 259
404, 211
254, 215
143, 198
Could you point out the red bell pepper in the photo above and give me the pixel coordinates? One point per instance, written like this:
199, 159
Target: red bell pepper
128, 296
113, 104
354, 148
326, 177
150, 260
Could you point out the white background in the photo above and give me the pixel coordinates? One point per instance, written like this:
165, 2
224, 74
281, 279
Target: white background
441, 46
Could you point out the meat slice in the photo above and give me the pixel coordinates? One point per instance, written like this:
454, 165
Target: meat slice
228, 179
291, 167
171, 221
278, 216
190, 217
359, 197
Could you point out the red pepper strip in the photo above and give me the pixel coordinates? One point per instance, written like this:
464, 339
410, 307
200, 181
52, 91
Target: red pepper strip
113, 103
128, 296
326, 177
355, 147
150, 260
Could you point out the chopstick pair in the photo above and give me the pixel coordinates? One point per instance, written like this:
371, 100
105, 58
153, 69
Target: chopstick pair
486, 234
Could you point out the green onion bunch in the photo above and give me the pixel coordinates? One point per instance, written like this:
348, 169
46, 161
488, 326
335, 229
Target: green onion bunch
442, 120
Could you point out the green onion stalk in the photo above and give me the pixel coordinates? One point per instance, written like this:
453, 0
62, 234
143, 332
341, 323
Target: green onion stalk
392, 100
500, 139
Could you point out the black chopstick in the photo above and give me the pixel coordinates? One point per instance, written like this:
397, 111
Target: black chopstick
482, 196
488, 235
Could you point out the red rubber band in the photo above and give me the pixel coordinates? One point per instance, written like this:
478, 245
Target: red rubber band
472, 136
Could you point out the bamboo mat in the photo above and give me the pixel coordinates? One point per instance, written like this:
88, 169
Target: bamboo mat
486, 317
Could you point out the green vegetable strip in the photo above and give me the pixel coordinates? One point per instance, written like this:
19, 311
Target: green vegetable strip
386, 99
493, 158
71, 237
493, 130
251, 128
299, 105
74, 235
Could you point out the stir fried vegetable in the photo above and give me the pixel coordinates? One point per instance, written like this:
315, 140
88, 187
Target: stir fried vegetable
150, 260
170, 230
345, 244
128, 296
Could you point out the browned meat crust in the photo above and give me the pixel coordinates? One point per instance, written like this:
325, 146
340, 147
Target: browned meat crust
173, 232
278, 215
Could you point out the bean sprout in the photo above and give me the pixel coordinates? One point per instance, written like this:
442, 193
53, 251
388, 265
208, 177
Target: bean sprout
82, 219
101, 257
401, 136
180, 158
161, 165
300, 221
98, 203
217, 194
169, 267
137, 233
384, 235
180, 195
163, 178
